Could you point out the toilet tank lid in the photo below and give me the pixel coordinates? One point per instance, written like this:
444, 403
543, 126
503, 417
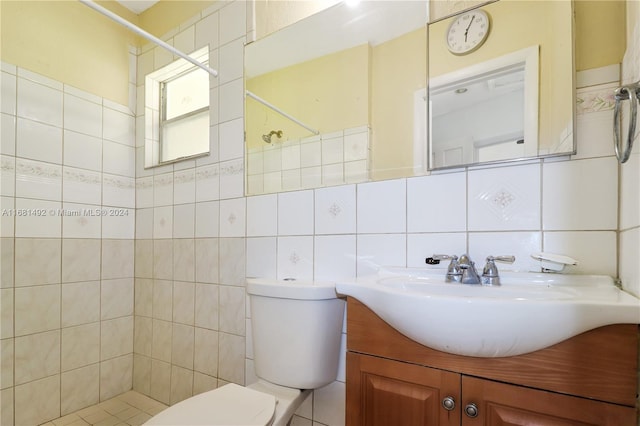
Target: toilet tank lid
292, 289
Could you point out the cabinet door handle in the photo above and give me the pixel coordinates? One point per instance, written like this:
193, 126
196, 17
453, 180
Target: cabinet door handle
471, 410
449, 403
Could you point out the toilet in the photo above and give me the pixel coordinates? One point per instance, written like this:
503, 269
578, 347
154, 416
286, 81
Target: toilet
296, 327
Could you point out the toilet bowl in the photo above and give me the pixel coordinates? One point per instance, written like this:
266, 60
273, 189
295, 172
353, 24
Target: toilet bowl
296, 329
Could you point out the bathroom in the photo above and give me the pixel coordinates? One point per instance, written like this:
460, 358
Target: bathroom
144, 289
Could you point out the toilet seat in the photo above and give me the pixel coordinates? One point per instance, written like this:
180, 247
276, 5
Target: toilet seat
229, 405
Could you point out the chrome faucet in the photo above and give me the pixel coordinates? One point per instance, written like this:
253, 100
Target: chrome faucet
463, 269
469, 273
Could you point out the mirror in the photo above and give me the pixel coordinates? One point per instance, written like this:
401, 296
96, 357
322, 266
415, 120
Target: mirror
341, 96
510, 98
330, 99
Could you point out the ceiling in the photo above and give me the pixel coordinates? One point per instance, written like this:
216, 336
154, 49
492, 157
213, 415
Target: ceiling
137, 6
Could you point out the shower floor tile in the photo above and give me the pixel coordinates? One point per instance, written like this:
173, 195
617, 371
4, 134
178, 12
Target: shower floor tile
129, 409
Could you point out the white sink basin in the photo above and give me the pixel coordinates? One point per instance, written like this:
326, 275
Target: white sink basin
526, 313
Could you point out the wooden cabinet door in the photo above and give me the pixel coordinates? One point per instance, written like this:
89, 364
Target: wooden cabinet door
499, 404
382, 392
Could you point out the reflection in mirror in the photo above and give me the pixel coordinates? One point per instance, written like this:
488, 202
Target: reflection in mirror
331, 98
463, 105
512, 98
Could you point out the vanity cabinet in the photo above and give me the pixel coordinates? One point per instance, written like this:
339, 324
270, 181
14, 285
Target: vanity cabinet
590, 379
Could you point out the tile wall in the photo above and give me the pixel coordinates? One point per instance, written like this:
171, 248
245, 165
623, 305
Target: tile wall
182, 325
324, 160
67, 228
190, 236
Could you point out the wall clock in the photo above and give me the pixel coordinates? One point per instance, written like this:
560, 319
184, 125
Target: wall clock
468, 31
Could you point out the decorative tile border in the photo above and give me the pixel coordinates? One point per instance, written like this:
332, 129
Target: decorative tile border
600, 99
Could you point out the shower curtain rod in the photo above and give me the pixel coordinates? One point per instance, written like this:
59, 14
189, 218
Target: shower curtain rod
281, 112
146, 35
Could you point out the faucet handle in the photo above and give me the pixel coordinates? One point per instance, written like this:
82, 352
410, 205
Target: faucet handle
454, 273
503, 259
490, 275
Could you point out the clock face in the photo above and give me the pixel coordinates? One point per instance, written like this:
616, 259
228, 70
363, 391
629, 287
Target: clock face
467, 32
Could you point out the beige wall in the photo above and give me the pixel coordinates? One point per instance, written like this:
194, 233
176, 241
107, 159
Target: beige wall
330, 93
70, 43
600, 33
272, 15
167, 15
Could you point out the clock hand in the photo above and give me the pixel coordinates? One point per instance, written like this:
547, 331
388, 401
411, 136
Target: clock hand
466, 32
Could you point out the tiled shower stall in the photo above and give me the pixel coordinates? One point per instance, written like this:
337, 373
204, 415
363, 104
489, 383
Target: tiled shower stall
115, 277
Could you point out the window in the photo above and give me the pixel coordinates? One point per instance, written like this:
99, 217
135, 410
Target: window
177, 111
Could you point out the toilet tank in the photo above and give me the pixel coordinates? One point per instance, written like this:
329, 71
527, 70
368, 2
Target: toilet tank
296, 328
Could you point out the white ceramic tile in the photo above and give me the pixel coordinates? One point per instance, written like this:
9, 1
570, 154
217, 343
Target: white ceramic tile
184, 186
329, 404
595, 251
7, 221
144, 192
38, 141
332, 174
356, 146
80, 259
208, 183
8, 135
356, 171
334, 257
291, 180
48, 224
232, 308
295, 213
380, 250
8, 174
272, 155
207, 219
504, 198
183, 302
117, 258
144, 224
310, 153
272, 182
82, 94
9, 90
580, 195
37, 356
630, 192
118, 159
39, 78
118, 191
233, 217
629, 269
37, 309
82, 151
255, 185
332, 150
81, 186
119, 127
382, 207
231, 357
207, 32
437, 203
232, 97
82, 221
184, 221
80, 303
255, 160
291, 155
82, 116
206, 313
39, 103
116, 376
37, 261
335, 210
206, 351
231, 61
35, 179
295, 258
116, 337
118, 223
163, 222
593, 134
80, 346
163, 189
519, 244
232, 179
311, 177
231, 139
185, 40
233, 21
38, 401
421, 246
261, 257
79, 389
262, 213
